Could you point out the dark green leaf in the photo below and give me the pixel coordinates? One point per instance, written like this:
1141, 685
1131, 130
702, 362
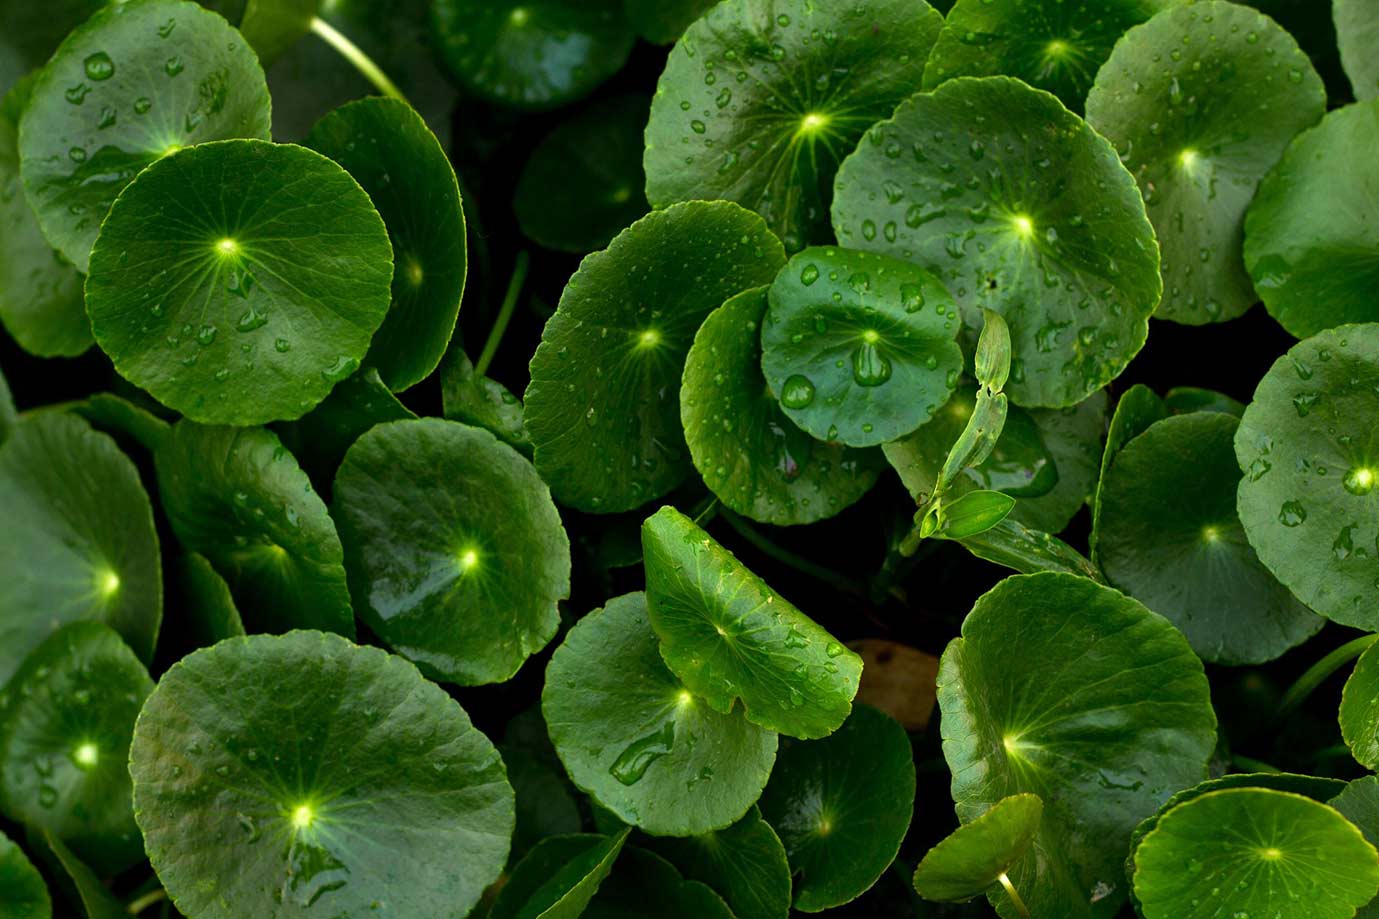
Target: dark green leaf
321, 437
730, 637
204, 602
456, 554
272, 26
974, 513
133, 83
1029, 551
65, 722
558, 878
545, 799
745, 863
82, 542
1063, 251
636, 739
973, 857
482, 402
267, 293
391, 153
842, 815
1359, 710
368, 797
611, 356
749, 453
237, 496
761, 99
859, 347
23, 895
1137, 408
641, 879
663, 21
97, 902
1202, 100
1309, 447
1183, 399
1130, 710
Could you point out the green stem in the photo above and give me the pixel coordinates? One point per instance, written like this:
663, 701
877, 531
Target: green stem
1249, 764
1015, 900
361, 61
136, 907
1318, 673
786, 557
500, 325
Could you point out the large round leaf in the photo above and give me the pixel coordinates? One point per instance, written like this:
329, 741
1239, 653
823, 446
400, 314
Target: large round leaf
558, 877
583, 182
1021, 208
1309, 447
80, 542
303, 775
1103, 735
455, 552
603, 406
1168, 505
236, 496
65, 722
531, 53
750, 454
973, 857
41, 301
391, 153
1201, 101
204, 602
23, 895
1254, 851
247, 305
1357, 33
745, 863
730, 637
632, 736
131, 84
761, 99
1311, 240
1050, 44
1359, 710
859, 347
841, 806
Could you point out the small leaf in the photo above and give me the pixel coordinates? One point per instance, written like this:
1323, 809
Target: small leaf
993, 351
975, 512
974, 856
730, 637
1030, 551
977, 440
558, 878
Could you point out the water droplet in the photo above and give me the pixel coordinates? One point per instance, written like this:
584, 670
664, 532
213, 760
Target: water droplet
251, 320
282, 345
797, 393
633, 762
795, 639
142, 105
343, 367
173, 67
809, 275
912, 297
1360, 480
99, 66
77, 94
206, 334
833, 649
1292, 513
869, 366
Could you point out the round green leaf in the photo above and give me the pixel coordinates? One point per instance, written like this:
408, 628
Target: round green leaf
761, 99
41, 301
1073, 438
1168, 505
531, 53
1019, 207
97, 902
23, 895
124, 419
391, 153
1050, 44
974, 856
841, 806
1309, 500
265, 295
454, 549
1201, 101
478, 400
750, 454
611, 356
1357, 33
1359, 803
1138, 408
583, 182
134, 82
859, 347
1102, 735
239, 498
1311, 244
303, 775
662, 21
545, 799
637, 740
83, 544
745, 863
1359, 710
1254, 851
558, 878
321, 437
730, 637
642, 878
65, 722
